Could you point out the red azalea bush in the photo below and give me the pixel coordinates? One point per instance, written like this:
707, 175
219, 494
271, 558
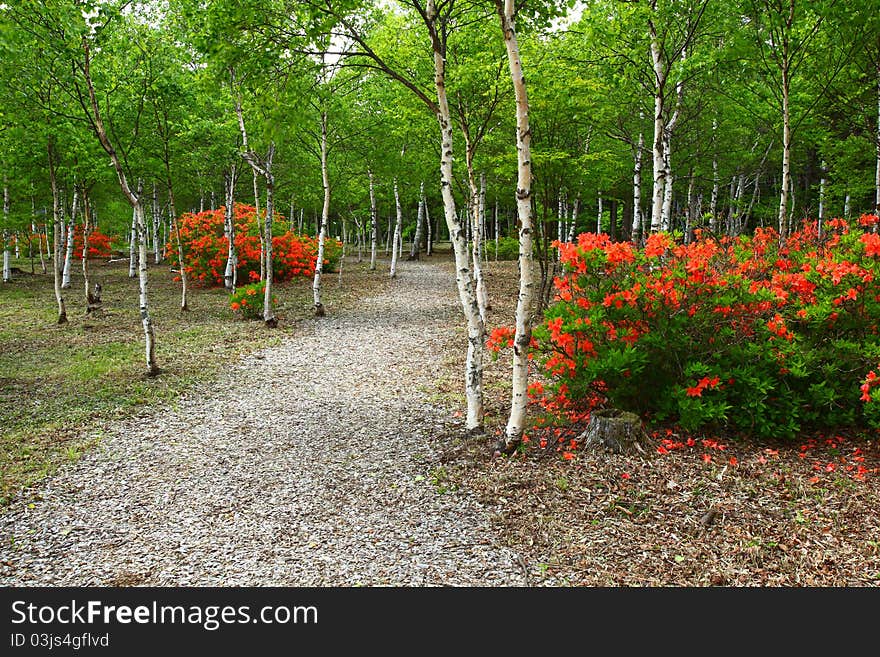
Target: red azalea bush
99, 243
205, 248
751, 334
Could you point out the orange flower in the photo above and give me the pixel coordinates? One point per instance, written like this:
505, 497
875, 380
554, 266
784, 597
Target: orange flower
235, 305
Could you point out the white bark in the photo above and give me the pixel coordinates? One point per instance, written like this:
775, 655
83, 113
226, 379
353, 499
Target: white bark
713, 203
132, 247
71, 230
268, 306
397, 227
477, 251
599, 216
134, 200
325, 215
636, 228
659, 167
429, 244
467, 296
786, 148
230, 275
374, 224
523, 334
420, 216
572, 229
7, 270
877, 170
56, 238
821, 218
157, 218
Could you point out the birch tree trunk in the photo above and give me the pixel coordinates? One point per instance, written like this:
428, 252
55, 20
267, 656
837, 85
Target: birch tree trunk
877, 170
56, 237
397, 226
40, 234
71, 229
7, 270
713, 202
523, 334
464, 284
429, 238
374, 224
230, 274
132, 247
92, 300
599, 216
659, 129
636, 229
325, 215
156, 220
268, 304
572, 229
821, 201
416, 247
786, 144
135, 200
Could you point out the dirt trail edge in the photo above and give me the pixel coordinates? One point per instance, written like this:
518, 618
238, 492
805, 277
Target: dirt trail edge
308, 464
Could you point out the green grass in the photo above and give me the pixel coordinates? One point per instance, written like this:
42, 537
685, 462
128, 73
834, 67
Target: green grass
58, 383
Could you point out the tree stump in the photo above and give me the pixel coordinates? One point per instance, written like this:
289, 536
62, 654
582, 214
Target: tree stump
614, 430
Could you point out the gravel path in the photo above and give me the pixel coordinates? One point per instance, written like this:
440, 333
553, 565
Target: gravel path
307, 464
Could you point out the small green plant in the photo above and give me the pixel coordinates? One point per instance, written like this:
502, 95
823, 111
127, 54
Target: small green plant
248, 300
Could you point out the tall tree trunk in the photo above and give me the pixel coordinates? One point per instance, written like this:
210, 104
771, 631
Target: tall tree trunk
475, 229
523, 333
786, 145
92, 300
821, 201
572, 229
464, 283
175, 228
56, 238
132, 247
230, 275
135, 200
429, 237
156, 220
71, 230
374, 223
268, 295
325, 216
416, 247
877, 170
7, 270
659, 129
397, 227
713, 203
599, 215
636, 228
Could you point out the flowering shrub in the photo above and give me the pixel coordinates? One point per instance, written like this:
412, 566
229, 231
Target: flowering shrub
248, 300
205, 248
99, 243
750, 334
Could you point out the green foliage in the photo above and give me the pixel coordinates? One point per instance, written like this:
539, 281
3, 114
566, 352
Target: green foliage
507, 248
743, 334
248, 300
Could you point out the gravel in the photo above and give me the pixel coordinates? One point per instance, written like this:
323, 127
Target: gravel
306, 464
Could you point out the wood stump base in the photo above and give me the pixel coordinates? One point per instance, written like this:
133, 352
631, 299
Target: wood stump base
616, 431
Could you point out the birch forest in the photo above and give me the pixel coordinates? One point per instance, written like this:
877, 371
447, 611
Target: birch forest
656, 220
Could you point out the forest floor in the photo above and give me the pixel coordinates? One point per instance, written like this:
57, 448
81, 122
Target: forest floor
332, 452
